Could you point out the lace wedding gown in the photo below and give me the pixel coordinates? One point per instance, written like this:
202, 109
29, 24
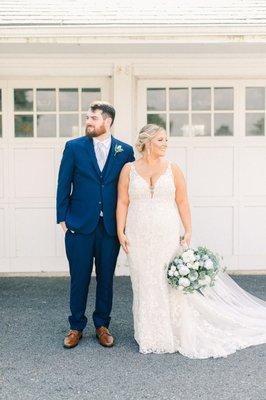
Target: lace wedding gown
214, 323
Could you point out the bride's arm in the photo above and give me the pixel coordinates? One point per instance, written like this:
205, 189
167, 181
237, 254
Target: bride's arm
182, 202
122, 205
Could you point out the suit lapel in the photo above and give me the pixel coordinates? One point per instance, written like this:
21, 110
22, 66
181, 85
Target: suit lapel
110, 159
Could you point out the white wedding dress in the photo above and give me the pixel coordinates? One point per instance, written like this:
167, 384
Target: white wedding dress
217, 322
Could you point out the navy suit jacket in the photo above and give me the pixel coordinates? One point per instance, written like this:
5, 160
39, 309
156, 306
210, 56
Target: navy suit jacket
83, 190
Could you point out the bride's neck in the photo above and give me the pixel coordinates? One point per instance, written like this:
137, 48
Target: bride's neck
150, 159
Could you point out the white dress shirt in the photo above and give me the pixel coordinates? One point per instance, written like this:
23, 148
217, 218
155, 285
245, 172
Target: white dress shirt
106, 147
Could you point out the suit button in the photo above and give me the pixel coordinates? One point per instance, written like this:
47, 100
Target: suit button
100, 202
102, 185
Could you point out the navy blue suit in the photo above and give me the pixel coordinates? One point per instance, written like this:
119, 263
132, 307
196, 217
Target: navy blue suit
84, 191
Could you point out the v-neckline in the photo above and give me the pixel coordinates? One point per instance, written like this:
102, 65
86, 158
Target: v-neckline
152, 188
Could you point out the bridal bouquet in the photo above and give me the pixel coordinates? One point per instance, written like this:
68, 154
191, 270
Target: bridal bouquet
194, 269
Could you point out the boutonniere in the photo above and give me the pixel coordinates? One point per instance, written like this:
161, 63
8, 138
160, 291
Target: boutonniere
118, 149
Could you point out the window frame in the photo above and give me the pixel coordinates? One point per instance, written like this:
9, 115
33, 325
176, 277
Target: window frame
102, 83
239, 120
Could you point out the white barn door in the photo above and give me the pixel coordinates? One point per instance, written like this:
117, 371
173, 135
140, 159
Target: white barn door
217, 136
37, 118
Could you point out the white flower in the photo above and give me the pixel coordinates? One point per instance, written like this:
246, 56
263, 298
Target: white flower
208, 264
184, 282
170, 273
118, 148
188, 256
195, 265
184, 270
189, 265
176, 273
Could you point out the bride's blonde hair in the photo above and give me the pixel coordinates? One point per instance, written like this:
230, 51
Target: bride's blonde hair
146, 134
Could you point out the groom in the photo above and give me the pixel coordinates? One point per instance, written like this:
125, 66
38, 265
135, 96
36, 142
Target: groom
86, 210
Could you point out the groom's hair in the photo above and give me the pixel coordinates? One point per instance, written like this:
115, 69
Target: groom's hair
106, 108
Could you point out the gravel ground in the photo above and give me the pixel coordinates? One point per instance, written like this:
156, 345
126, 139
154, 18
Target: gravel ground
34, 365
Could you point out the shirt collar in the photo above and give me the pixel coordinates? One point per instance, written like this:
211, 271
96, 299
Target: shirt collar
106, 141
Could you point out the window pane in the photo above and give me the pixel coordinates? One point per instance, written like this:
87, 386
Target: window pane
88, 96
223, 98
69, 125
223, 124
201, 124
156, 99
255, 98
0, 125
201, 98
46, 125
179, 125
23, 99
178, 98
68, 99
46, 100
23, 125
254, 124
158, 119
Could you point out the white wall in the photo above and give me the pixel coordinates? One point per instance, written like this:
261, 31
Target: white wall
29, 238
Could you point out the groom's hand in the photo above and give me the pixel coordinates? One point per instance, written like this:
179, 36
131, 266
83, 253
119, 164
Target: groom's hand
124, 242
63, 225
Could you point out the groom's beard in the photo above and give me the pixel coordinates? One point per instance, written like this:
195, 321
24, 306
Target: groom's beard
92, 133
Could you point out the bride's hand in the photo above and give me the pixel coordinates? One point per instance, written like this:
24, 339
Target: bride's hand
124, 242
186, 239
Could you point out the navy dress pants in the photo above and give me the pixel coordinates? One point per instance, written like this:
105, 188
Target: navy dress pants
81, 250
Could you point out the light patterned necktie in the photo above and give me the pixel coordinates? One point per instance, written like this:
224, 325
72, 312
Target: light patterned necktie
101, 155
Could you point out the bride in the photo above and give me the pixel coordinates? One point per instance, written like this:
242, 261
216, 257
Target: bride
218, 321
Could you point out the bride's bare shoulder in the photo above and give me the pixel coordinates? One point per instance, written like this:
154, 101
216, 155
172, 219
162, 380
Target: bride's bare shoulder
126, 169
175, 168
177, 171
127, 166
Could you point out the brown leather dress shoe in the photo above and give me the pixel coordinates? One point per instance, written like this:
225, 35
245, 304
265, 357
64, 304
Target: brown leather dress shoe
104, 336
72, 339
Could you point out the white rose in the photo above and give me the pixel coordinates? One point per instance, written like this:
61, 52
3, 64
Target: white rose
188, 256
208, 264
184, 270
195, 265
184, 282
176, 273
170, 273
